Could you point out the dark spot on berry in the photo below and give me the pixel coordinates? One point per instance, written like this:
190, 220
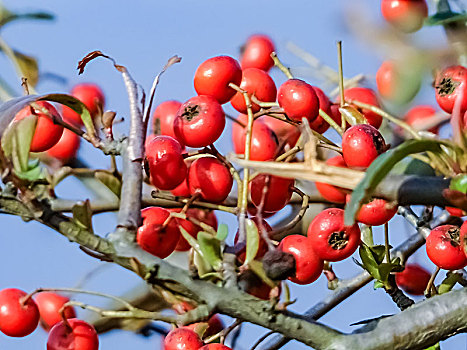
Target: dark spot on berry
338, 240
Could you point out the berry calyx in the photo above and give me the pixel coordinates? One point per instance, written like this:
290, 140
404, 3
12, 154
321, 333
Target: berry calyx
450, 86
199, 121
257, 53
75, 335
47, 133
156, 236
331, 240
214, 75
209, 178
167, 167
18, 316
361, 145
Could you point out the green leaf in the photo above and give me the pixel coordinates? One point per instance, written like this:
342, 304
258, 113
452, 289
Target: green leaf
378, 170
34, 172
10, 108
377, 285
434, 347
24, 131
443, 18
203, 267
190, 239
459, 183
412, 166
252, 241
113, 183
82, 215
28, 66
449, 282
7, 16
369, 261
222, 232
210, 248
76, 105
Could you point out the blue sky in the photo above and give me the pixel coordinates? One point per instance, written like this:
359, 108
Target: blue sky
142, 35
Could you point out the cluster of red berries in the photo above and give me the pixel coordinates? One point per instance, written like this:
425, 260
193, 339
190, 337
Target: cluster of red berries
20, 315
52, 138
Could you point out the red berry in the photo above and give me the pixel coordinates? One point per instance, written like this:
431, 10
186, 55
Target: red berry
166, 165
456, 211
413, 279
377, 212
49, 305
264, 142
276, 191
166, 113
153, 237
17, 318
66, 148
258, 83
182, 190
298, 99
331, 240
319, 124
214, 75
92, 97
208, 217
444, 249
285, 132
82, 336
257, 53
367, 96
215, 346
361, 145
329, 192
308, 266
418, 115
210, 178
215, 325
47, 133
405, 15
451, 85
263, 246
463, 237
182, 339
199, 121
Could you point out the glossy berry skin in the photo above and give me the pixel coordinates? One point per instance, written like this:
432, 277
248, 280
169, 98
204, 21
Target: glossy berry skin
258, 83
405, 15
444, 249
155, 239
367, 96
83, 336
298, 99
277, 195
376, 212
182, 339
307, 263
319, 124
416, 116
285, 132
450, 85
165, 113
361, 145
463, 237
92, 97
199, 121
215, 346
166, 165
331, 240
456, 211
66, 148
264, 142
413, 279
214, 75
329, 192
47, 133
209, 178
182, 190
49, 305
16, 319
257, 53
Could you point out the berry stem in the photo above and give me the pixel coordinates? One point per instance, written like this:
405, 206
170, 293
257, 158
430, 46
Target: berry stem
331, 122
281, 66
430, 288
386, 243
341, 77
24, 84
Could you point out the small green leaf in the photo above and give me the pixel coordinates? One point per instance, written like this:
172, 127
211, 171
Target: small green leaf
434, 347
109, 180
203, 267
252, 241
210, 248
76, 105
459, 183
368, 261
24, 131
7, 16
449, 282
28, 66
377, 285
222, 232
82, 215
443, 18
34, 172
190, 239
352, 115
378, 170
